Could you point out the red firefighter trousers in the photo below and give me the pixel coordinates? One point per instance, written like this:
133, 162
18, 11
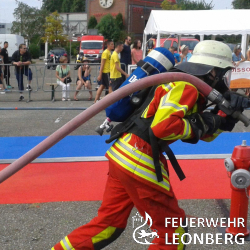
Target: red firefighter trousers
122, 193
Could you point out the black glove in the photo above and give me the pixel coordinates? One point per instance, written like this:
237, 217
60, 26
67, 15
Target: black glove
237, 101
228, 123
205, 123
212, 121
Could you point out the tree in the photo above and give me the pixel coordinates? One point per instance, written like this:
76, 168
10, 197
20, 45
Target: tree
78, 6
66, 5
108, 29
241, 4
119, 22
194, 5
166, 5
54, 29
92, 22
52, 5
29, 21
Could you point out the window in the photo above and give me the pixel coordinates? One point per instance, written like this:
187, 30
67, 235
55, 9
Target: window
167, 44
2, 26
91, 45
191, 44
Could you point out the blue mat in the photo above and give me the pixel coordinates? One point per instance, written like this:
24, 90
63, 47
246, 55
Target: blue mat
94, 145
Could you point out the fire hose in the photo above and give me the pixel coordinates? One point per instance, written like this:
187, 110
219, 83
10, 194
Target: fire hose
212, 95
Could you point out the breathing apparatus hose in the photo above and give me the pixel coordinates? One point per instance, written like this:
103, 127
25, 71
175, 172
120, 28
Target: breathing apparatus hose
87, 114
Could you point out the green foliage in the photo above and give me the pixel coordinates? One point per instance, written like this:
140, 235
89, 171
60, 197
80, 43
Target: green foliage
194, 5
92, 22
78, 6
54, 29
108, 29
166, 5
74, 51
241, 4
66, 5
111, 28
69, 6
52, 6
29, 21
34, 50
119, 21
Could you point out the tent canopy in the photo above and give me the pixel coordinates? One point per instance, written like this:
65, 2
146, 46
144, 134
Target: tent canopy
199, 22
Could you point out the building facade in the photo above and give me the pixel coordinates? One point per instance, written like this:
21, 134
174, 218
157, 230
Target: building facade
135, 12
5, 28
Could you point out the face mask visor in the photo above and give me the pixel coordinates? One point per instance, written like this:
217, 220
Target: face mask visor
227, 78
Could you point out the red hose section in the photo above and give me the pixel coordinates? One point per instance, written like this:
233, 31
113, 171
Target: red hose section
95, 109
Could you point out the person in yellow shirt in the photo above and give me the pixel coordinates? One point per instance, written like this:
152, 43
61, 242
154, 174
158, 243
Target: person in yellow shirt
115, 68
104, 70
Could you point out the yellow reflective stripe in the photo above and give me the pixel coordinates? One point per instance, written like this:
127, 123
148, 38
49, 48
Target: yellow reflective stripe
181, 231
136, 169
104, 235
187, 129
139, 156
66, 245
52, 248
145, 112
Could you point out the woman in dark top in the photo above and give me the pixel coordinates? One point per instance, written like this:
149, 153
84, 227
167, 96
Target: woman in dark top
83, 78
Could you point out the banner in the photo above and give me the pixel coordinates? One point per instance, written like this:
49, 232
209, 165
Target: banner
240, 78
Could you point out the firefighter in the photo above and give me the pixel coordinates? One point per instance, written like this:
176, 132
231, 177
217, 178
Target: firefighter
174, 111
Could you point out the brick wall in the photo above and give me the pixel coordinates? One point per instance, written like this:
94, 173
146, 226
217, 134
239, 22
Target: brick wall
119, 6
135, 12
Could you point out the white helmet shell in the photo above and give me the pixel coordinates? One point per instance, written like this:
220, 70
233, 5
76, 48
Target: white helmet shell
212, 53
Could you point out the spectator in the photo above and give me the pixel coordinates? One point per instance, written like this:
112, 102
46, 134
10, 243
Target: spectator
237, 56
136, 52
185, 55
62, 72
21, 59
126, 56
83, 78
177, 57
5, 55
104, 74
115, 68
1, 74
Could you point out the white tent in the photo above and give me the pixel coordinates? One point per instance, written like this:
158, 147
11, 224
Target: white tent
199, 22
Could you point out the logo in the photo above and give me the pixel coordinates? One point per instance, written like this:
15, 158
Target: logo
133, 78
143, 233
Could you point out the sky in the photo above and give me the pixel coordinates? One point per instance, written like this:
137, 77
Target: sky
8, 6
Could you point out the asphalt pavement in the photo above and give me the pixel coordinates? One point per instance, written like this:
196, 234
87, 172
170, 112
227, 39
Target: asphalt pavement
40, 226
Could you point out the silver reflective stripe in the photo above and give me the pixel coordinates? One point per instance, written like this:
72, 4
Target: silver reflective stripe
168, 104
141, 157
187, 130
138, 170
159, 57
135, 153
168, 87
66, 244
127, 138
214, 56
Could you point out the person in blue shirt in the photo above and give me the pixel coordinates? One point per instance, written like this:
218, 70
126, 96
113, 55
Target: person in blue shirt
185, 55
237, 56
177, 56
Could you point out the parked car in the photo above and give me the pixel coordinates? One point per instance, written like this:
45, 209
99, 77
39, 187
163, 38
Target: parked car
54, 56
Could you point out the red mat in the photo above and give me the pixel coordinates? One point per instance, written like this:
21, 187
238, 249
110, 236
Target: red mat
85, 181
